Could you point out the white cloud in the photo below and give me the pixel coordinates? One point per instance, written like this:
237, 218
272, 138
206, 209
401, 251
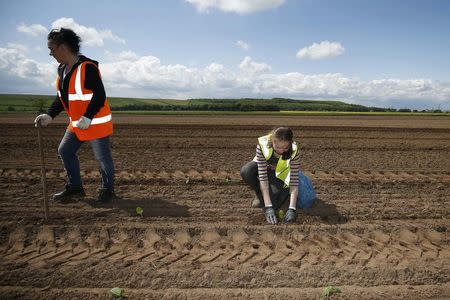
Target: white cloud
322, 50
124, 55
90, 36
13, 62
249, 66
33, 29
131, 75
17, 46
236, 6
243, 45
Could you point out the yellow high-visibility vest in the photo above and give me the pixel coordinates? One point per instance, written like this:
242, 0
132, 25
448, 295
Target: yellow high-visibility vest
283, 169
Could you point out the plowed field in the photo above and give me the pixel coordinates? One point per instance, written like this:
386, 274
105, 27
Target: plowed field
379, 229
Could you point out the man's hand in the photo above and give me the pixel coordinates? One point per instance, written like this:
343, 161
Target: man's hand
290, 216
270, 215
84, 123
43, 119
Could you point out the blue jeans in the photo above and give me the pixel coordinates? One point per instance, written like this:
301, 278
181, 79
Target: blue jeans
67, 150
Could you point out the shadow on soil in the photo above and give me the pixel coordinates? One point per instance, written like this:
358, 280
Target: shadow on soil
326, 212
152, 207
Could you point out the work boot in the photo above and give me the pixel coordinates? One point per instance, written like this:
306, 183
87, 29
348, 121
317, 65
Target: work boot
70, 193
105, 196
256, 203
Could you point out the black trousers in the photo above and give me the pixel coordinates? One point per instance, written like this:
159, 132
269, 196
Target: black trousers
278, 194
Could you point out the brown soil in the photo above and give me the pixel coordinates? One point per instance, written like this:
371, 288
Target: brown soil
379, 230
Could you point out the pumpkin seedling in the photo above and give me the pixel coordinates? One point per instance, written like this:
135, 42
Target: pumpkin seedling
140, 211
330, 290
281, 214
118, 292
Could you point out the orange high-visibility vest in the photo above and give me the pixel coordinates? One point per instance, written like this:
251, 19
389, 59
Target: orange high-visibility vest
78, 101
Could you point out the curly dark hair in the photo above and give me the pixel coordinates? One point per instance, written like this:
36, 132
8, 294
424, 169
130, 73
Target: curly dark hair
67, 37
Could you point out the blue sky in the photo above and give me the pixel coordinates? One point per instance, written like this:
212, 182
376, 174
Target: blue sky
382, 53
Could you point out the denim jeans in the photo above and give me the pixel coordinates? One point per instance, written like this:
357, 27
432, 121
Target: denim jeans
67, 150
278, 193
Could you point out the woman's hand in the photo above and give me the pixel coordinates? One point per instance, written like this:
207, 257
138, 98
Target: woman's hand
290, 216
270, 215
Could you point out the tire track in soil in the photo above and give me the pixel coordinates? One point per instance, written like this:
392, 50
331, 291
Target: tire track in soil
284, 246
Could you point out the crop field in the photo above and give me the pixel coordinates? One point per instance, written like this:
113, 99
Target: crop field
378, 230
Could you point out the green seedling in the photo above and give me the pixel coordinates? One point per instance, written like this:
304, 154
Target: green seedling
227, 179
118, 292
140, 211
330, 290
281, 214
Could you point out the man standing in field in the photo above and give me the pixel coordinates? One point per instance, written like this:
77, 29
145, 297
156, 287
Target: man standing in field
81, 94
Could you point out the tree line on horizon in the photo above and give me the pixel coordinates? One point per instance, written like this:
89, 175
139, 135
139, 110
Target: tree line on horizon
41, 102
256, 104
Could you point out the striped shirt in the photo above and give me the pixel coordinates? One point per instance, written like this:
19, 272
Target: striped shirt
263, 164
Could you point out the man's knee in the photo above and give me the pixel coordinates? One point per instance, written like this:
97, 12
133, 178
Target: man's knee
62, 150
65, 150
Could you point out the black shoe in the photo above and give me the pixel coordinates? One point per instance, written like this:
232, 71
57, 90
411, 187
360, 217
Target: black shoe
70, 193
105, 196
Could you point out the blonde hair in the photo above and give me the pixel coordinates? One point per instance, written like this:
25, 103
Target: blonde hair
284, 134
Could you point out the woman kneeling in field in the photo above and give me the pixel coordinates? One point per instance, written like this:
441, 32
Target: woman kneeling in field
273, 174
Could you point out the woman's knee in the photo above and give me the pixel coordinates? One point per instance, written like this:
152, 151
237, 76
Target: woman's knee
249, 171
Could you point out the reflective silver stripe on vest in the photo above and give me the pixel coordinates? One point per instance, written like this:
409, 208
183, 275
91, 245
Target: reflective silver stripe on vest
95, 121
78, 90
83, 97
